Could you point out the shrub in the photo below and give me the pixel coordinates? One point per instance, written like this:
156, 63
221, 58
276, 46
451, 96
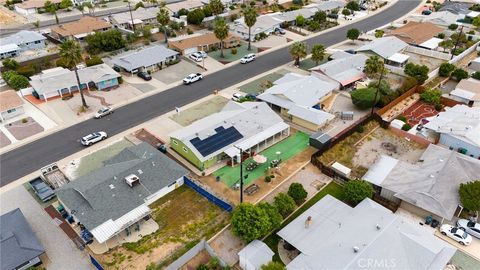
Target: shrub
196, 16
298, 2
459, 74
284, 204
268, 179
407, 84
406, 127
189, 31
446, 69
419, 72
470, 195
10, 63
297, 192
233, 17
453, 26
24, 120
476, 75
438, 107
26, 71
95, 60
252, 3
441, 35
273, 266
356, 191
431, 96
264, 2
364, 98
360, 128
402, 118
18, 82
379, 33
105, 41
182, 12
250, 222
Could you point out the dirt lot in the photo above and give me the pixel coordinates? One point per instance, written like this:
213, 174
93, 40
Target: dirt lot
201, 258
24, 128
184, 217
200, 111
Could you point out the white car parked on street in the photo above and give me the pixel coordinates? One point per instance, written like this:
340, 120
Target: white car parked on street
192, 78
456, 234
93, 138
247, 58
470, 227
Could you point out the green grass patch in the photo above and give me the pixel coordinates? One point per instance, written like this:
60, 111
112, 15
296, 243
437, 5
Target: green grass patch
255, 87
200, 111
229, 57
272, 240
289, 147
308, 63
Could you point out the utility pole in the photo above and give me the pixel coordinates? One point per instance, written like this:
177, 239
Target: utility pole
378, 88
241, 173
131, 16
456, 43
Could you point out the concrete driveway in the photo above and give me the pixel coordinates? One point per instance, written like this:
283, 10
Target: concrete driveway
176, 72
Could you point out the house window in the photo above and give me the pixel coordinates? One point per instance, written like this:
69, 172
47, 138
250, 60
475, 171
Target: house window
185, 149
11, 110
37, 41
175, 142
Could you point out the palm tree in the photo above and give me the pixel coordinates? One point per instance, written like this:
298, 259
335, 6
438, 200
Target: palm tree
163, 18
373, 66
71, 54
250, 18
318, 53
52, 9
221, 32
298, 50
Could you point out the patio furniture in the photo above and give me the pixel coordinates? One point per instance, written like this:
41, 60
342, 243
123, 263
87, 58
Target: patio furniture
252, 189
251, 166
275, 162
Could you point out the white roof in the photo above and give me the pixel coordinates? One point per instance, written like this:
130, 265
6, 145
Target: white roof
431, 183
345, 69
188, 5
264, 23
145, 57
22, 37
312, 115
297, 90
257, 253
473, 14
460, 121
8, 48
341, 168
378, 235
399, 58
431, 43
138, 15
110, 227
442, 18
385, 46
292, 15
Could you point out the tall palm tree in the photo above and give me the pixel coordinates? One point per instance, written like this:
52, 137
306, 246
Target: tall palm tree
52, 9
71, 54
163, 18
373, 66
250, 18
298, 50
221, 32
318, 53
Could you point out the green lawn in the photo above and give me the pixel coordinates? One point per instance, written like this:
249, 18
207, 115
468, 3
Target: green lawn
308, 63
289, 147
255, 86
229, 57
272, 240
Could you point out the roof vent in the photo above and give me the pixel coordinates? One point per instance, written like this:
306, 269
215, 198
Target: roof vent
356, 249
432, 176
132, 180
139, 171
378, 227
111, 186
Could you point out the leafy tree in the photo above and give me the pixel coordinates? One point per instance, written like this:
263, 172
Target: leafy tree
207, 10
458, 37
446, 69
284, 204
52, 9
453, 26
379, 33
441, 35
357, 190
220, 30
17, 81
459, 74
65, 4
273, 266
297, 192
300, 20
385, 93
314, 26
446, 44
216, 6
298, 50
163, 18
71, 54
320, 17
196, 16
374, 66
470, 195
147, 32
476, 22
105, 41
250, 18
476, 75
139, 5
318, 53
353, 6
419, 72
273, 214
10, 63
364, 98
353, 34
95, 60
431, 96
250, 222
346, 12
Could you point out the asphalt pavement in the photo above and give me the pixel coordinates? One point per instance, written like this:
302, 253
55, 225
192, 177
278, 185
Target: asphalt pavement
30, 157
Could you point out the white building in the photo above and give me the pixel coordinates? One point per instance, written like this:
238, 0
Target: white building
19, 42
254, 255
11, 105
467, 91
265, 24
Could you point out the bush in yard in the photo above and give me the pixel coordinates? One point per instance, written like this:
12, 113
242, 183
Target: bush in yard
379, 33
320, 16
419, 72
431, 96
298, 2
268, 179
314, 26
353, 34
441, 35
26, 71
273, 266
10, 64
364, 98
360, 128
234, 50
196, 16
273, 214
8, 74
476, 75
297, 192
446, 69
470, 195
284, 203
105, 41
453, 26
438, 107
189, 31
18, 82
407, 84
203, 267
402, 118
406, 127
459, 74
356, 191
95, 60
250, 222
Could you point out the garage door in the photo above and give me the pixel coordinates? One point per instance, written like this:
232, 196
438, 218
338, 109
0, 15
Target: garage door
190, 51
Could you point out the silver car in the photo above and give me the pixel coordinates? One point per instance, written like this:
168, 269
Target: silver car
93, 138
470, 227
103, 112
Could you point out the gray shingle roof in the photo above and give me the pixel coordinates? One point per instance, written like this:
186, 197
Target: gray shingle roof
384, 47
22, 37
345, 69
144, 57
18, 242
95, 201
138, 14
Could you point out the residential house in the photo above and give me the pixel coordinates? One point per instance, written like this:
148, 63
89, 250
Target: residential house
474, 65
11, 105
265, 24
388, 48
189, 5
299, 98
78, 30
441, 18
467, 91
326, 6
186, 45
456, 7
148, 59
21, 41
82, 2
225, 3
458, 128
254, 255
20, 247
428, 186
365, 236
345, 69
291, 16
60, 81
250, 126
416, 33
28, 7
141, 17
472, 15
117, 196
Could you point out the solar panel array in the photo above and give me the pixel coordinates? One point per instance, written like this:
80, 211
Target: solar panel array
220, 139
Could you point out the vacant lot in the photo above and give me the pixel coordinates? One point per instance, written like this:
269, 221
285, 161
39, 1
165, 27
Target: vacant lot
202, 110
259, 85
184, 217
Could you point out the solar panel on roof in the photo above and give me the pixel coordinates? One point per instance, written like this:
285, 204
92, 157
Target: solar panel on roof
222, 138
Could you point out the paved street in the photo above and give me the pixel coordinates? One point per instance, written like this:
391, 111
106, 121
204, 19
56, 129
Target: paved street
30, 157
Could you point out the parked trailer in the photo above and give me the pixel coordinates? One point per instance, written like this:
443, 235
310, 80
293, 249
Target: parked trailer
54, 176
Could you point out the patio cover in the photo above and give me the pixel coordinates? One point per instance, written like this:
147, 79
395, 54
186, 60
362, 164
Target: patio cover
380, 170
399, 58
431, 44
135, 21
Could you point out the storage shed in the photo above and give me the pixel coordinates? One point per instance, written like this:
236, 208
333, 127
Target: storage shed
254, 255
320, 140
